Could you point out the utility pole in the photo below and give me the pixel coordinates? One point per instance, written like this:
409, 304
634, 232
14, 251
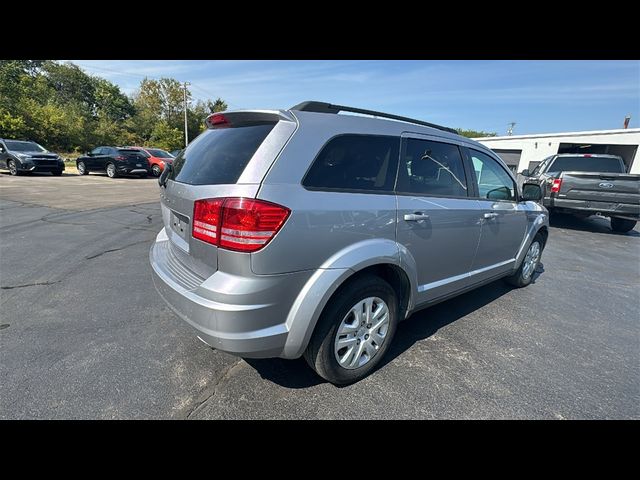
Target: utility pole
186, 133
510, 129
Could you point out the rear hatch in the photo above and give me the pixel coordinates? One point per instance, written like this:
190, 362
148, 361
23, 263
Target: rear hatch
133, 158
229, 159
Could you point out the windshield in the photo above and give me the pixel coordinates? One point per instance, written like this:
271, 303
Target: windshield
18, 146
587, 164
156, 152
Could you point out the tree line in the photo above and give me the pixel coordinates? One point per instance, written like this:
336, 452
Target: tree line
65, 109
61, 107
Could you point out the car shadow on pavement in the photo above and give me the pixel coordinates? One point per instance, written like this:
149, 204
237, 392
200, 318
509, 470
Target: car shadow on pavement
593, 224
421, 325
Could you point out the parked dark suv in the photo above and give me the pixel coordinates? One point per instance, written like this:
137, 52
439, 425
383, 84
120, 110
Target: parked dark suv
114, 161
24, 156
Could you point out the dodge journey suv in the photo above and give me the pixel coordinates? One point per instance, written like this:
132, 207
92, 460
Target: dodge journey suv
311, 232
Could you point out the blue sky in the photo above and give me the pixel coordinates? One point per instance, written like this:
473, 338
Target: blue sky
540, 96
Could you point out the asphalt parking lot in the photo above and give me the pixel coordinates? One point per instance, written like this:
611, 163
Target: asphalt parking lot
83, 333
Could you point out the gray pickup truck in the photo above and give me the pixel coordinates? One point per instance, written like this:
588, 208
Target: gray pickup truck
588, 184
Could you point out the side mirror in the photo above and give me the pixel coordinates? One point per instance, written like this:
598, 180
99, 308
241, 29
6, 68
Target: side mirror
531, 192
87, 154
164, 176
525, 172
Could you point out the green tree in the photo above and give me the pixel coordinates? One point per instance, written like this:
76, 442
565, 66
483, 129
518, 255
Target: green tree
475, 133
166, 137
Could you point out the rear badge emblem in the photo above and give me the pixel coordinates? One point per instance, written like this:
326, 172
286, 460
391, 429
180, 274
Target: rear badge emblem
605, 185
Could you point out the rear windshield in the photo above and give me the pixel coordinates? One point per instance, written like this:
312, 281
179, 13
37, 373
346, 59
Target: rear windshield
220, 155
159, 153
586, 164
129, 151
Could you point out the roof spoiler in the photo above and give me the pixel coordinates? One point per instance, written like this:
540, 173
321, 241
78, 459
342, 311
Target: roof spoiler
322, 107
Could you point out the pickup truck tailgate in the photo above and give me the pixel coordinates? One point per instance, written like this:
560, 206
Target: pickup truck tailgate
618, 188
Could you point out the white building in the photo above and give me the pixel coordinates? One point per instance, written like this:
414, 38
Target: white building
526, 151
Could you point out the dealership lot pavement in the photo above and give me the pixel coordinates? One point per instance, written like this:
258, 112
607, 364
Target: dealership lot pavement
83, 333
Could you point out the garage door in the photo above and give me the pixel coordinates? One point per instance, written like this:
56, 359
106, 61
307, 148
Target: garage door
510, 157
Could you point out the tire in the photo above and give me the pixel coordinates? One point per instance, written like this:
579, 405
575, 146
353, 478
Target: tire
622, 225
57, 173
322, 352
155, 170
82, 169
524, 274
111, 170
13, 168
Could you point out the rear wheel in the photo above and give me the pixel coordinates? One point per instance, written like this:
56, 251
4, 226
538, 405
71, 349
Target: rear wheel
354, 331
13, 168
156, 171
82, 169
622, 225
111, 170
524, 274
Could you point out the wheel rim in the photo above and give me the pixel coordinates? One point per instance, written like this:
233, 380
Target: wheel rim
531, 260
12, 168
156, 170
361, 333
111, 170
81, 167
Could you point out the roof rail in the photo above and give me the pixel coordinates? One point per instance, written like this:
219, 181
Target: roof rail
322, 107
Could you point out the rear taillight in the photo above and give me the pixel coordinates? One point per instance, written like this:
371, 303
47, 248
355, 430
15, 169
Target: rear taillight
241, 224
120, 157
555, 187
206, 219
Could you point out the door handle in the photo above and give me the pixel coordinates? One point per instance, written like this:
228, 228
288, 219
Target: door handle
489, 216
415, 217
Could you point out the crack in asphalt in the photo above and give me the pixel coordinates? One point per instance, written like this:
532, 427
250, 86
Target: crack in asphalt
213, 389
34, 284
91, 257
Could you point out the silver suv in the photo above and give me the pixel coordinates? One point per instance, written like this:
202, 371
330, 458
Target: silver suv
308, 232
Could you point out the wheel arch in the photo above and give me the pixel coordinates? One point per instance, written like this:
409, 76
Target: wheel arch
378, 257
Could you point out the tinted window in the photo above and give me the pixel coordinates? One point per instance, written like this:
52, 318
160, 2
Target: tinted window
219, 156
432, 168
96, 151
586, 164
355, 162
493, 181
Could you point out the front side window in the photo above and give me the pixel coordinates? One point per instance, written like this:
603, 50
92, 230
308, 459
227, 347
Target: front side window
96, 151
494, 182
355, 162
432, 168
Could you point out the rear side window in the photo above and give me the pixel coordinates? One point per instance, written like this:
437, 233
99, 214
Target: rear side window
586, 164
432, 168
219, 155
355, 162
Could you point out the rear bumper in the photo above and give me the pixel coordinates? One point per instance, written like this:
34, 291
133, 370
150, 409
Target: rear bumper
127, 169
241, 315
621, 210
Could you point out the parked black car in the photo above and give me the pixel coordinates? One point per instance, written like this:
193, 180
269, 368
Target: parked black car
24, 156
113, 160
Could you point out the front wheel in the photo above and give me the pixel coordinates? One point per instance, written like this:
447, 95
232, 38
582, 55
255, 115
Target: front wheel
13, 168
156, 171
82, 169
622, 225
354, 331
111, 170
524, 274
